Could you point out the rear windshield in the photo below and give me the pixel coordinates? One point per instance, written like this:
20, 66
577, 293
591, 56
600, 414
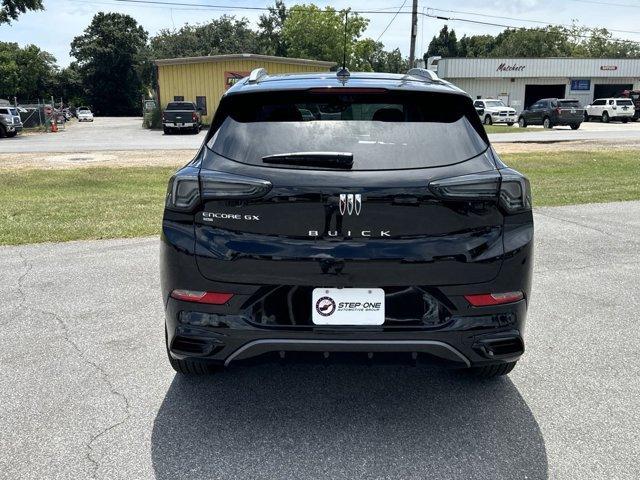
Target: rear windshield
569, 103
625, 102
382, 131
180, 106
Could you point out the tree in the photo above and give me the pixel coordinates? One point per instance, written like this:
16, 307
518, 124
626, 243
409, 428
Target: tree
319, 34
370, 56
9, 71
444, 45
548, 41
600, 43
11, 9
69, 85
220, 36
476, 46
109, 55
270, 30
27, 73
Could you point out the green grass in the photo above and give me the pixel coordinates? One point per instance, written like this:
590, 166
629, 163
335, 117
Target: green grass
109, 202
85, 203
570, 177
505, 129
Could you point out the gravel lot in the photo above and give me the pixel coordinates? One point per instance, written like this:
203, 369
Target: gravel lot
117, 134
86, 391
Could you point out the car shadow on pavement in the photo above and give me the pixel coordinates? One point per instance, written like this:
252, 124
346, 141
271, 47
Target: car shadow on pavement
345, 421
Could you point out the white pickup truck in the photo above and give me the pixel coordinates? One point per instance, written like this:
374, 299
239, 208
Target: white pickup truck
495, 111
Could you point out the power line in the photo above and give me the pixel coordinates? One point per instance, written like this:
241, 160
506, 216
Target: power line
170, 4
466, 20
392, 19
541, 22
608, 4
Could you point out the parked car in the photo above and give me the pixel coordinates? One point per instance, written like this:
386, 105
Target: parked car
495, 111
84, 114
607, 109
552, 112
391, 228
181, 116
10, 122
634, 95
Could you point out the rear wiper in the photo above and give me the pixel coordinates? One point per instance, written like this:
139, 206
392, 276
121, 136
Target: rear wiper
312, 159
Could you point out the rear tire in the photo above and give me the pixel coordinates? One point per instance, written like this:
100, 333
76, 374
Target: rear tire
586, 117
11, 134
522, 123
546, 123
509, 124
575, 126
3, 132
492, 371
625, 120
188, 367
166, 130
488, 120
605, 117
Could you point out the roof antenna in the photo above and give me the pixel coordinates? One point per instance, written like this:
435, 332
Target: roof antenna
343, 74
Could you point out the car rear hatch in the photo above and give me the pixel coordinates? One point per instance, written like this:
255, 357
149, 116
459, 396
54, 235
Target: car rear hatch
346, 189
570, 110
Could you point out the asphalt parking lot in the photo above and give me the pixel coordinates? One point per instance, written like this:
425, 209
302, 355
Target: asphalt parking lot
113, 134
86, 391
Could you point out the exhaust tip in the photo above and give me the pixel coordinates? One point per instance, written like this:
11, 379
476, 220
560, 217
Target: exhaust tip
500, 347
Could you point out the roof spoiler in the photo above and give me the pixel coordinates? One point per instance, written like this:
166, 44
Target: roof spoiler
257, 75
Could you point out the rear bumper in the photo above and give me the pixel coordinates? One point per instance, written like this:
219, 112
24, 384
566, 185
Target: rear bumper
504, 119
493, 335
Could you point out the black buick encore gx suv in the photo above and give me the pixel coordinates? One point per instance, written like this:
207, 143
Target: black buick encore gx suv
361, 215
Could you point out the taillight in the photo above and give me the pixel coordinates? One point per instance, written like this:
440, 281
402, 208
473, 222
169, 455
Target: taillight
511, 188
188, 188
211, 298
515, 191
194, 116
476, 186
163, 117
558, 110
488, 299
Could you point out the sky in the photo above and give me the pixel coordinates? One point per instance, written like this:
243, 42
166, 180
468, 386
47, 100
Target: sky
54, 28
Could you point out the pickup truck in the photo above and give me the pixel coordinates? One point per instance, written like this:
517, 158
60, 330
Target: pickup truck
10, 123
181, 116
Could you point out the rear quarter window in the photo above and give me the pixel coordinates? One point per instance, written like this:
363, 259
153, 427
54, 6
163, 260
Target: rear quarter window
382, 131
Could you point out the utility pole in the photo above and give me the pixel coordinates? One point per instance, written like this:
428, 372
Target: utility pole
414, 33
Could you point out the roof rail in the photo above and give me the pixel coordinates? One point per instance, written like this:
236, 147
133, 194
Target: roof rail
424, 73
256, 75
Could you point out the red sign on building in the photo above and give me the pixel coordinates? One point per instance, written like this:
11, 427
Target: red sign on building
230, 78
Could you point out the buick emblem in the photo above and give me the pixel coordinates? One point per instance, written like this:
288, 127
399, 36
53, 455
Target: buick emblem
350, 204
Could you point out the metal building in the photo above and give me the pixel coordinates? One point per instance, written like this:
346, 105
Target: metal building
203, 80
520, 82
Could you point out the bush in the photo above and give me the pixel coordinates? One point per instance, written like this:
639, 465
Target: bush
153, 119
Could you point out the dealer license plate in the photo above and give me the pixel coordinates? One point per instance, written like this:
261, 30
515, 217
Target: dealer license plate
347, 306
